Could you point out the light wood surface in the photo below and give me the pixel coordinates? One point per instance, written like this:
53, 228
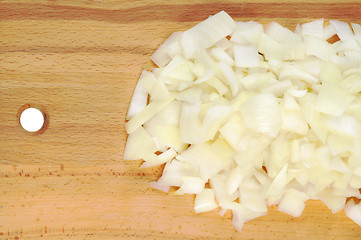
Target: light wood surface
79, 61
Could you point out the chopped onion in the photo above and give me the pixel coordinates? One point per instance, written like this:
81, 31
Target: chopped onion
343, 30
262, 113
171, 47
205, 201
265, 116
314, 28
353, 211
138, 102
291, 204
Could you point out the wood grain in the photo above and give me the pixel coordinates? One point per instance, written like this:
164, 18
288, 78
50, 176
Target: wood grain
80, 60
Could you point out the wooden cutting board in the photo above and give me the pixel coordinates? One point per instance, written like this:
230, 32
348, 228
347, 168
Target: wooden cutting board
79, 61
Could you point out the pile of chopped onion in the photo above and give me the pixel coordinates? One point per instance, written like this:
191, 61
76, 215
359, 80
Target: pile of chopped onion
266, 116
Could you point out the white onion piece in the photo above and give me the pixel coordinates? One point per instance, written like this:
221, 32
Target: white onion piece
290, 72
221, 55
298, 29
207, 33
330, 73
205, 201
191, 185
357, 30
207, 64
353, 211
246, 32
218, 85
171, 47
156, 88
257, 81
179, 69
246, 56
352, 83
224, 44
318, 47
291, 205
138, 102
314, 28
230, 76
148, 112
164, 157
328, 31
266, 116
139, 139
275, 190
333, 100
205, 159
261, 113
343, 29
157, 185
280, 33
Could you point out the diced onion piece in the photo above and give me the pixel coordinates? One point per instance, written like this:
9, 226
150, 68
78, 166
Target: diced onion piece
290, 72
318, 47
234, 180
218, 85
156, 88
281, 34
343, 30
262, 113
278, 88
203, 156
353, 211
328, 31
291, 205
298, 29
191, 185
257, 81
330, 73
314, 28
339, 144
163, 55
207, 66
297, 93
217, 183
333, 100
205, 201
170, 136
275, 190
148, 112
220, 55
247, 32
344, 125
207, 33
224, 44
233, 130
246, 56
357, 30
290, 103
139, 139
190, 95
315, 120
175, 170
293, 121
230, 76
138, 102
352, 83
157, 185
179, 69
160, 159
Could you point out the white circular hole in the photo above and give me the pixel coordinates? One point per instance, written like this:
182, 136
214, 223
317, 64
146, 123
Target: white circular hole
31, 119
